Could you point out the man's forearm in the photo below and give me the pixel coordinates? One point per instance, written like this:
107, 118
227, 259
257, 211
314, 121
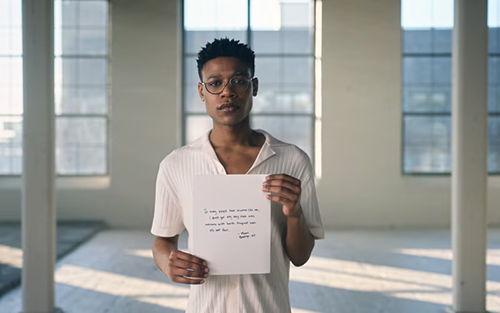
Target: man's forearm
162, 248
299, 241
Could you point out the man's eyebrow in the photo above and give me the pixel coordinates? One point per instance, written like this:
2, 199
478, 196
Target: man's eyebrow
214, 76
234, 74
239, 73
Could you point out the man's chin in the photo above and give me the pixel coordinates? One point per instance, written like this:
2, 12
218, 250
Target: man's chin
230, 122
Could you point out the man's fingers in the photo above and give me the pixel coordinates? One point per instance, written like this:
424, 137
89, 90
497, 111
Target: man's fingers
280, 199
283, 192
184, 280
283, 183
187, 257
187, 265
187, 273
285, 177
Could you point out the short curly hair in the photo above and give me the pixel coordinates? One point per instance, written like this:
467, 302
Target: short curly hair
225, 47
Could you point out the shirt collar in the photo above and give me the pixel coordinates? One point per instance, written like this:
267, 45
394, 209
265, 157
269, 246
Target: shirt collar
265, 152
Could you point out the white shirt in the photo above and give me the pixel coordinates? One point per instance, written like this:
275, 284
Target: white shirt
173, 213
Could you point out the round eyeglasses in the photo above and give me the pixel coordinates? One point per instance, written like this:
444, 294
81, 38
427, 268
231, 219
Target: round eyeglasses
238, 83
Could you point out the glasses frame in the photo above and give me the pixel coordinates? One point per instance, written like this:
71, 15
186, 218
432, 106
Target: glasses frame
228, 83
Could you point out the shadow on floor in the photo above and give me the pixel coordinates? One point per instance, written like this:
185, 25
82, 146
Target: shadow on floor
69, 235
328, 299
86, 301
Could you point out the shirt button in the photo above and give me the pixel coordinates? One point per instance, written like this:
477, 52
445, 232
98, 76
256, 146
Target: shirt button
233, 285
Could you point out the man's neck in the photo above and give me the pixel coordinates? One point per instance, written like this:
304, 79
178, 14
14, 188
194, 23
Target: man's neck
234, 136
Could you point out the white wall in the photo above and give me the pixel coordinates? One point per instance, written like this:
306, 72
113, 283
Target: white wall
145, 122
361, 181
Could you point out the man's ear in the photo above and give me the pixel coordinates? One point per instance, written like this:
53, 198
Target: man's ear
255, 84
200, 91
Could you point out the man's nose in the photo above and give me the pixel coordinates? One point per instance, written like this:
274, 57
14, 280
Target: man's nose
228, 91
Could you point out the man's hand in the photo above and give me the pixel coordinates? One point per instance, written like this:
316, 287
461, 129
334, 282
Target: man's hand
182, 265
286, 190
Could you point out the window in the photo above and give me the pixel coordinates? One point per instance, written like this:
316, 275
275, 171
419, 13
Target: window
11, 87
427, 45
80, 82
281, 32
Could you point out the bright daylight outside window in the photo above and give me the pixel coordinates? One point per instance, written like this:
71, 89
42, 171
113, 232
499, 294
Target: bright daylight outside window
81, 87
427, 45
281, 32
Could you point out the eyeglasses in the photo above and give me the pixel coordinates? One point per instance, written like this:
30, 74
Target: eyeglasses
216, 86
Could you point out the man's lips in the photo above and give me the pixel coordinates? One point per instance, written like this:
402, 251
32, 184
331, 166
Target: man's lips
229, 107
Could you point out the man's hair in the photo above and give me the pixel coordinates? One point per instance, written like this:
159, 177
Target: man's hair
226, 48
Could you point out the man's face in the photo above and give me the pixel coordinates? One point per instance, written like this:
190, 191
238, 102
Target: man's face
234, 103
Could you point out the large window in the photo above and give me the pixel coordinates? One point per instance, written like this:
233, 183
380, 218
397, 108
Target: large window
80, 81
11, 87
281, 32
427, 44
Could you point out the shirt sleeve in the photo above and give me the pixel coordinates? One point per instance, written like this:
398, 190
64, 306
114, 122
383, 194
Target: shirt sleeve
309, 202
167, 220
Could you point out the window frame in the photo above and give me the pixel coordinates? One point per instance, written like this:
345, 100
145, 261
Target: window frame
405, 114
12, 177
248, 33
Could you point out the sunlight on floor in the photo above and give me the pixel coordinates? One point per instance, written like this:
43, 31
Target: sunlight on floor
11, 256
390, 281
163, 294
143, 253
413, 276
492, 257
295, 310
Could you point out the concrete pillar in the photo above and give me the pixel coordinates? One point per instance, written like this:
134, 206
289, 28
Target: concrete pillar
38, 208
469, 158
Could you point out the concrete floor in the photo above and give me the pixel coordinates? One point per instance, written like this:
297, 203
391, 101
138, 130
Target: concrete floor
69, 234
350, 271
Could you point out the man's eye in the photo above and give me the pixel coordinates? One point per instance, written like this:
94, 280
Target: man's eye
238, 81
214, 83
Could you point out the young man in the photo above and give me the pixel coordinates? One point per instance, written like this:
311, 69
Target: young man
226, 69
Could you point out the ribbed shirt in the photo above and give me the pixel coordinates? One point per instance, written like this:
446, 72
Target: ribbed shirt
252, 293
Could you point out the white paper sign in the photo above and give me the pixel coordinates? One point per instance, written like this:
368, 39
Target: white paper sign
232, 224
